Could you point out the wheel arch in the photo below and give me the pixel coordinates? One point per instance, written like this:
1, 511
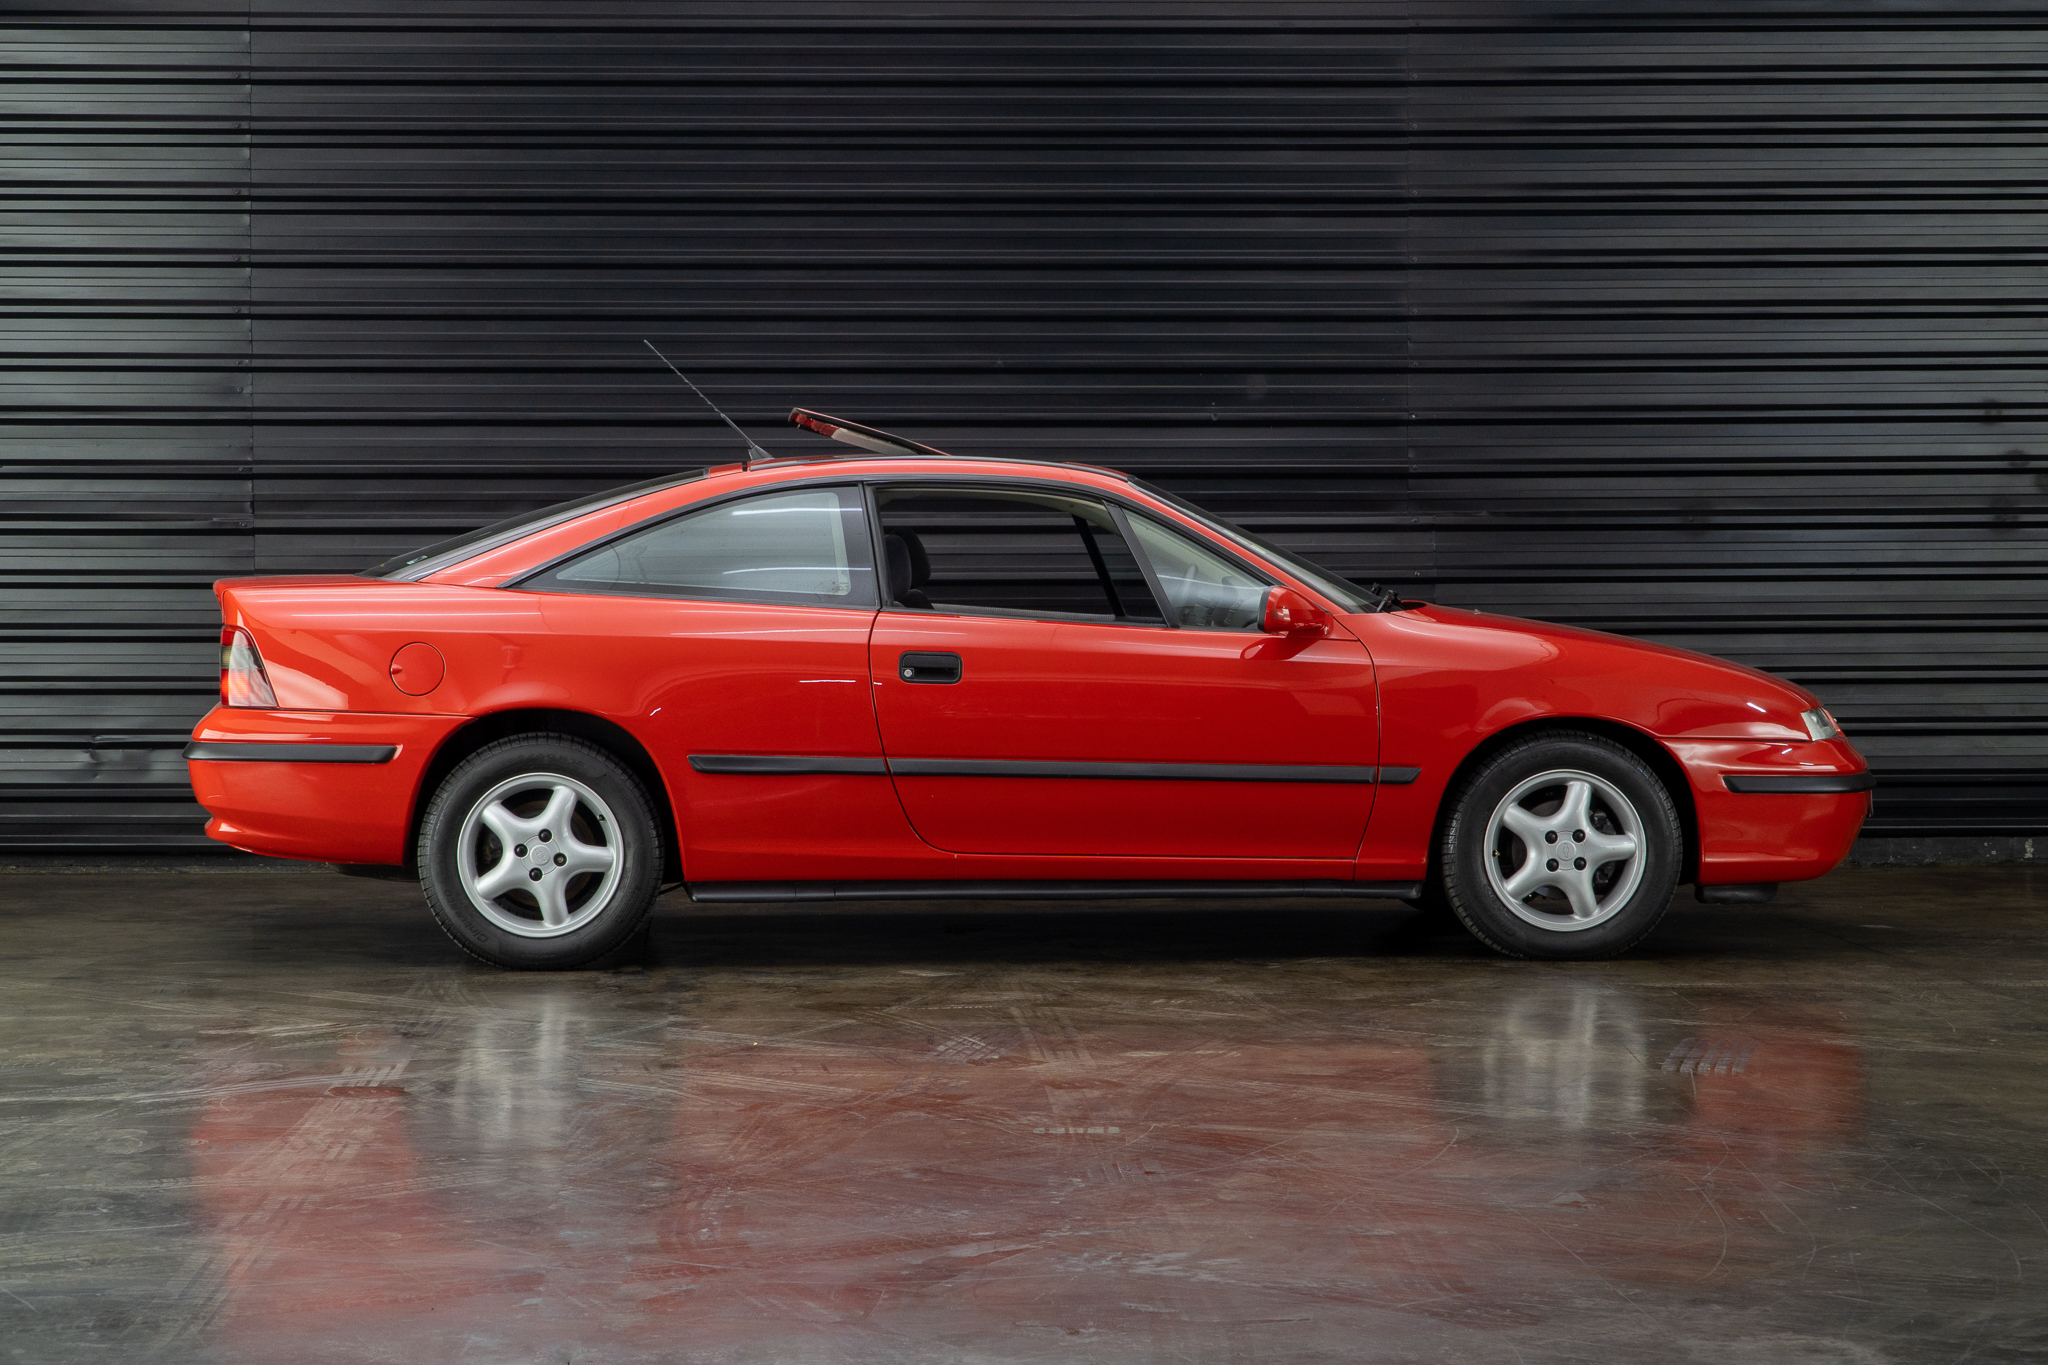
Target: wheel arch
607, 735
1643, 745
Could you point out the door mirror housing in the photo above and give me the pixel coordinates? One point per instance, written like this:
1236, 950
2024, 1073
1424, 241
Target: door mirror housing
1289, 613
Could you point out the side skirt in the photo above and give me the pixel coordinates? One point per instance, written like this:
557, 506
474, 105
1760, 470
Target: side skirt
761, 892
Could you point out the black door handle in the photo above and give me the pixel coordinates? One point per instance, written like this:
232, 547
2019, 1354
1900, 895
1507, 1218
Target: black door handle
929, 668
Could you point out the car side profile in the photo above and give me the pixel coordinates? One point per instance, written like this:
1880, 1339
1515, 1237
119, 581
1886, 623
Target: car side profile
908, 674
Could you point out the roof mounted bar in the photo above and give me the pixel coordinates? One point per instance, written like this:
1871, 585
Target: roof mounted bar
879, 442
854, 434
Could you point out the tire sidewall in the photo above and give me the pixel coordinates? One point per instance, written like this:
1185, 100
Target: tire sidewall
640, 850
1465, 850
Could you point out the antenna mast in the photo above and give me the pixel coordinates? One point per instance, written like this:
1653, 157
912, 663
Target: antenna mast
753, 451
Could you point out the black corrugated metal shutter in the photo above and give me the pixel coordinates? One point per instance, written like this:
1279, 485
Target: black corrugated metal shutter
1727, 329
1714, 330
125, 437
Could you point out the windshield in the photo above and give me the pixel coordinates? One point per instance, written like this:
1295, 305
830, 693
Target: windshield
417, 564
1338, 589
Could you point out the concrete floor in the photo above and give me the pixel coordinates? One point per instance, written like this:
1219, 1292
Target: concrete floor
277, 1118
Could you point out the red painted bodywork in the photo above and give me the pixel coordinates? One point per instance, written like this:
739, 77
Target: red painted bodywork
1421, 688
1134, 694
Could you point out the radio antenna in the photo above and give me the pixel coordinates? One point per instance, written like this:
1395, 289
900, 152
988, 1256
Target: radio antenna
753, 451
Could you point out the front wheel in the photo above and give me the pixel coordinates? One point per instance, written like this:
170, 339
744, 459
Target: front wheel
540, 852
1562, 845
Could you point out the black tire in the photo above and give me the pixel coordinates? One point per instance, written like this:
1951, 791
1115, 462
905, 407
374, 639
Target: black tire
1636, 896
609, 813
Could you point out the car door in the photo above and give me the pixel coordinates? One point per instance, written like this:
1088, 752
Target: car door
733, 640
1035, 697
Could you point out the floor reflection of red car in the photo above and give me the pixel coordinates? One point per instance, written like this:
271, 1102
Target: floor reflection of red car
743, 1184
910, 674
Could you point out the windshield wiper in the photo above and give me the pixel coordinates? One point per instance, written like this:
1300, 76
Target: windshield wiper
1389, 599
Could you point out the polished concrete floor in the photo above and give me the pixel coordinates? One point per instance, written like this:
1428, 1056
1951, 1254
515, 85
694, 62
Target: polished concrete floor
277, 1118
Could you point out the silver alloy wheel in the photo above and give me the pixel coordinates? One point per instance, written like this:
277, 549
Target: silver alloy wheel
1564, 850
539, 855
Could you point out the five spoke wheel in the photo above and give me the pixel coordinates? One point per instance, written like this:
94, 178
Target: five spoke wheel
541, 851
537, 856
1564, 849
1561, 844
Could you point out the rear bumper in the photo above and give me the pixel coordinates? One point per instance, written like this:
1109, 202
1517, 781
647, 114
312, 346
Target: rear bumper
1771, 812
330, 786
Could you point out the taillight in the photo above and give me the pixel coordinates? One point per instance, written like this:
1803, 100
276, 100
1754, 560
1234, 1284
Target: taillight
1820, 725
242, 679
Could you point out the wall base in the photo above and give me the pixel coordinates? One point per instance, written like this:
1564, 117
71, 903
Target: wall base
1947, 848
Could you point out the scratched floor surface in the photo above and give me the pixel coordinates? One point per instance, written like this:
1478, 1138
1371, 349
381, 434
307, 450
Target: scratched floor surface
273, 1118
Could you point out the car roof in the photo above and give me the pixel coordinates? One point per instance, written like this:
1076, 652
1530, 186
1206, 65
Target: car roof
922, 464
462, 558
500, 561
885, 453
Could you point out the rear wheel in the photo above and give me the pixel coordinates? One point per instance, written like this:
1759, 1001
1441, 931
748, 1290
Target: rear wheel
1563, 845
540, 852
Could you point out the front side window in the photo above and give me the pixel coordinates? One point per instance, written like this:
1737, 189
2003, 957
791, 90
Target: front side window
1207, 591
1005, 552
807, 546
1334, 586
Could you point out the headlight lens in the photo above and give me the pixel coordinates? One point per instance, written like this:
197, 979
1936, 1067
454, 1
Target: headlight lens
1820, 724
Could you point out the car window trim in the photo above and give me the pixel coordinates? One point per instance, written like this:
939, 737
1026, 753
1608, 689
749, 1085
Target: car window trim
1227, 552
1257, 573
1268, 574
1119, 510
1158, 585
883, 601
1051, 488
524, 583
752, 597
1231, 533
1058, 618
1116, 502
1086, 530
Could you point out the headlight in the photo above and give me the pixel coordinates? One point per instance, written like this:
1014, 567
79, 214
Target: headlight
1820, 724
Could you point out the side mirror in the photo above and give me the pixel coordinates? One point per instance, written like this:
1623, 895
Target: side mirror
1289, 613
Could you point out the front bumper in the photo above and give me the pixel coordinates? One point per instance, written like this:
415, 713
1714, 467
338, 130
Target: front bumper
330, 786
1774, 812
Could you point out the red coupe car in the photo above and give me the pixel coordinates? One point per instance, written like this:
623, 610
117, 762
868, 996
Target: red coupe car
910, 674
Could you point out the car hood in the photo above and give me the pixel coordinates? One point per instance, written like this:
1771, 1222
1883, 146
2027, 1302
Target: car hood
1676, 691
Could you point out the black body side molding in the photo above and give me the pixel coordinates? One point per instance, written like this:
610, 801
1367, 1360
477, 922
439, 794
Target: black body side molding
754, 893
786, 764
1803, 784
213, 751
1143, 772
782, 764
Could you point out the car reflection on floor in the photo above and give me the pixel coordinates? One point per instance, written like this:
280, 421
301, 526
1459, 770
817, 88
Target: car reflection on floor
792, 1162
